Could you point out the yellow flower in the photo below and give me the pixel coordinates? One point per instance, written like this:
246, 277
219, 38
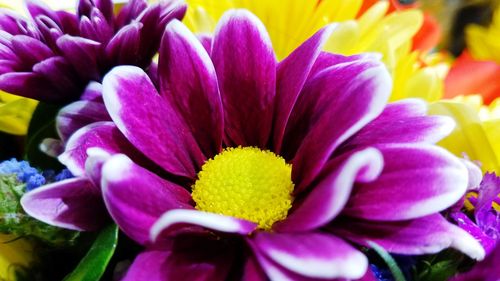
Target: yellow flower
477, 132
291, 22
391, 35
484, 42
14, 254
15, 113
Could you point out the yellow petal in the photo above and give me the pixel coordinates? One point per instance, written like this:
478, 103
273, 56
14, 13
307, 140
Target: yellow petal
15, 113
484, 42
13, 253
471, 136
289, 23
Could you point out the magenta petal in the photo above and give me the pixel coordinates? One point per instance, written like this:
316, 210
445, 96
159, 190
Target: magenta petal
93, 92
247, 77
331, 109
313, 255
404, 122
38, 8
326, 60
188, 80
329, 196
131, 10
77, 115
152, 125
23, 83
124, 182
30, 50
104, 135
425, 235
94, 163
461, 219
82, 54
206, 42
61, 76
417, 180
148, 265
292, 73
123, 48
187, 258
73, 204
252, 271
175, 219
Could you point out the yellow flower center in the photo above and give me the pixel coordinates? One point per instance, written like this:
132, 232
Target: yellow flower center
246, 183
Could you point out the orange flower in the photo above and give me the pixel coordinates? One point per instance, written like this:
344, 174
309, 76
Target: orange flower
470, 76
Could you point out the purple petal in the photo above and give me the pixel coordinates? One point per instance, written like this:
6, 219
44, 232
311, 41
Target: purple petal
123, 48
148, 265
277, 272
247, 77
326, 60
96, 27
104, 135
82, 54
475, 174
11, 23
187, 258
130, 11
252, 271
433, 179
292, 73
52, 147
188, 79
487, 218
30, 85
425, 235
152, 125
94, 163
313, 255
61, 75
136, 198
206, 42
175, 219
329, 196
38, 8
404, 122
30, 50
461, 219
73, 204
68, 22
105, 7
330, 97
48, 30
93, 92
77, 115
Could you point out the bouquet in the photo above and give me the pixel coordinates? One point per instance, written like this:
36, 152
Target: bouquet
249, 140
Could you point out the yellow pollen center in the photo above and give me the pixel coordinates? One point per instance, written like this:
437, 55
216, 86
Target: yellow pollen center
246, 183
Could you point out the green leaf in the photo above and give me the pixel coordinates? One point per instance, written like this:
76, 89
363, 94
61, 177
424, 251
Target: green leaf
42, 126
441, 266
93, 265
389, 260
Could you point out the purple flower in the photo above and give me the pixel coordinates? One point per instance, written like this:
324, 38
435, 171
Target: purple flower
235, 166
53, 55
486, 227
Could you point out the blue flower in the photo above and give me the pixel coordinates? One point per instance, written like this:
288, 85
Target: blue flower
25, 173
32, 177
